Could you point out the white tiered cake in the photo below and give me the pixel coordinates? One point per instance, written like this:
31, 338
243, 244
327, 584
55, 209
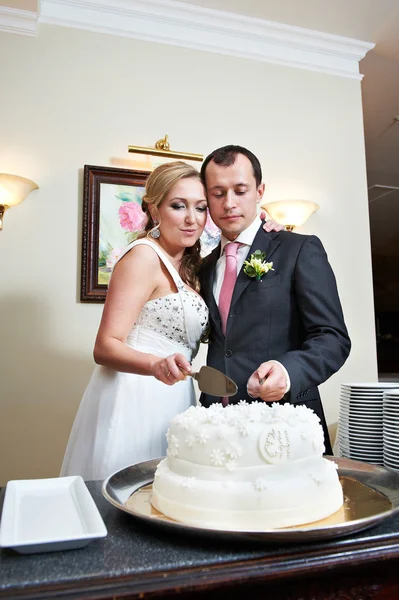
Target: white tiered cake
246, 467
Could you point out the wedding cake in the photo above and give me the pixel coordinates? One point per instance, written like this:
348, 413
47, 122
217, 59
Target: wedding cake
246, 467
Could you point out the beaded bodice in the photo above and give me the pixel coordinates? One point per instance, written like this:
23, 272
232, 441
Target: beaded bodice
168, 315
172, 323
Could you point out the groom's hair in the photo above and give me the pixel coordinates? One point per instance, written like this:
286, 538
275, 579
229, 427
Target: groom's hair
226, 157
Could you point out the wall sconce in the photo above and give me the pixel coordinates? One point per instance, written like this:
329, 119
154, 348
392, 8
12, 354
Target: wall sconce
291, 213
13, 189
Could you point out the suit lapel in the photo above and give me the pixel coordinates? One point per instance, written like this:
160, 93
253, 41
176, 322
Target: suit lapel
264, 241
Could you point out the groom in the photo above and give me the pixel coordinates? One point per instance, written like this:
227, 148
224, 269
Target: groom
281, 336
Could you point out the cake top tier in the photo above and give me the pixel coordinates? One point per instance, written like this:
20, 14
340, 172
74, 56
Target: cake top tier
245, 434
244, 412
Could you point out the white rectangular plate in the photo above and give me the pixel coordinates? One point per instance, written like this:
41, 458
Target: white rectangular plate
42, 515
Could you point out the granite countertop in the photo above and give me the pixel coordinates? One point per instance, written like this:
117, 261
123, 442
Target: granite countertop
144, 558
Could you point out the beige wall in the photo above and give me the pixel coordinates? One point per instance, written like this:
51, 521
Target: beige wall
76, 98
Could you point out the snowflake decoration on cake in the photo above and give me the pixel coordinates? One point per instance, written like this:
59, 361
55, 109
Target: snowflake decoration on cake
215, 409
202, 437
188, 482
233, 421
190, 441
201, 414
161, 468
243, 429
217, 415
187, 422
173, 448
217, 419
217, 457
231, 464
187, 419
260, 484
178, 418
234, 451
290, 414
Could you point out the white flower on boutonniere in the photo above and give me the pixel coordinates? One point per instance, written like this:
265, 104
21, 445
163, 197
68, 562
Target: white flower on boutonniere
256, 266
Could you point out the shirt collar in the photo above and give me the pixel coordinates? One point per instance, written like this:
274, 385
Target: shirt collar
246, 237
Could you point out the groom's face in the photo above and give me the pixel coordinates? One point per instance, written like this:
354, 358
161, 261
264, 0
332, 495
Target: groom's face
232, 195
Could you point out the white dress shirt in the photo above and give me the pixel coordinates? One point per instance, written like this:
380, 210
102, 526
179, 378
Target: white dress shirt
246, 239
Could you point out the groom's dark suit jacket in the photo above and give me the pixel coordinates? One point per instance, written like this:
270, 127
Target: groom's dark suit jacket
293, 315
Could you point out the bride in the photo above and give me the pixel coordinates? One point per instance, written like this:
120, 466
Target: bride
152, 323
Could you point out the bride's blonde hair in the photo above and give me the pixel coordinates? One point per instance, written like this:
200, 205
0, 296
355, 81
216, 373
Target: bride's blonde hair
157, 187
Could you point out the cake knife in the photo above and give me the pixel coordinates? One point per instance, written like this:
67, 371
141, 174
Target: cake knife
214, 382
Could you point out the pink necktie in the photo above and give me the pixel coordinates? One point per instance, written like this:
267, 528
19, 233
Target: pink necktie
229, 280
226, 291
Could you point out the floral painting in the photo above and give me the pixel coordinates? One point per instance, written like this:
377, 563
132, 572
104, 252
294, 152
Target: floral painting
112, 218
121, 220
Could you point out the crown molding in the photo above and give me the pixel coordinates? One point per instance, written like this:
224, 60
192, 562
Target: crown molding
209, 30
14, 20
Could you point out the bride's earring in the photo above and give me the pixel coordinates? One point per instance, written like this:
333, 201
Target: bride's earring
155, 233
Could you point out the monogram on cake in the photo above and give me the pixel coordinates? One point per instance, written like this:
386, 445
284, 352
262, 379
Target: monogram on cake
246, 467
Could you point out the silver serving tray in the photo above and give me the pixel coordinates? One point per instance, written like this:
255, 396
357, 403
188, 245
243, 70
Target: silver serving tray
371, 494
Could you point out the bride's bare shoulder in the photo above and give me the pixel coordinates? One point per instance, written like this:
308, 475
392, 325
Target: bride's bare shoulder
141, 256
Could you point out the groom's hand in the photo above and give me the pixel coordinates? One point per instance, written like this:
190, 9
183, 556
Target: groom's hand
268, 382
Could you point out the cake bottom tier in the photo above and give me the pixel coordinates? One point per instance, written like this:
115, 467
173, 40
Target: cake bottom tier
257, 505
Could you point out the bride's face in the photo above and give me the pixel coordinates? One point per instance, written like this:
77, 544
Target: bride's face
182, 214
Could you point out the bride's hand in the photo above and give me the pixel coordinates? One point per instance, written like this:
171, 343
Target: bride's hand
172, 369
270, 225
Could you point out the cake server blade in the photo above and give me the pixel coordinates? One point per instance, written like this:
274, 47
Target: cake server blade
214, 382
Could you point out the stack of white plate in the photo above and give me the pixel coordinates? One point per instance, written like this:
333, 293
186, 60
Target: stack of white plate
360, 425
391, 428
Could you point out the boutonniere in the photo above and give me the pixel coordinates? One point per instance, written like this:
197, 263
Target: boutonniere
256, 266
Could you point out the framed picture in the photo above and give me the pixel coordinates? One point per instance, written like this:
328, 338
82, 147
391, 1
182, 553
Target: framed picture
111, 217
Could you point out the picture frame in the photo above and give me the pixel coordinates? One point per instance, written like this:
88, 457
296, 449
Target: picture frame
109, 197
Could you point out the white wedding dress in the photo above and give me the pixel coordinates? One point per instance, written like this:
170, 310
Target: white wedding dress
123, 417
